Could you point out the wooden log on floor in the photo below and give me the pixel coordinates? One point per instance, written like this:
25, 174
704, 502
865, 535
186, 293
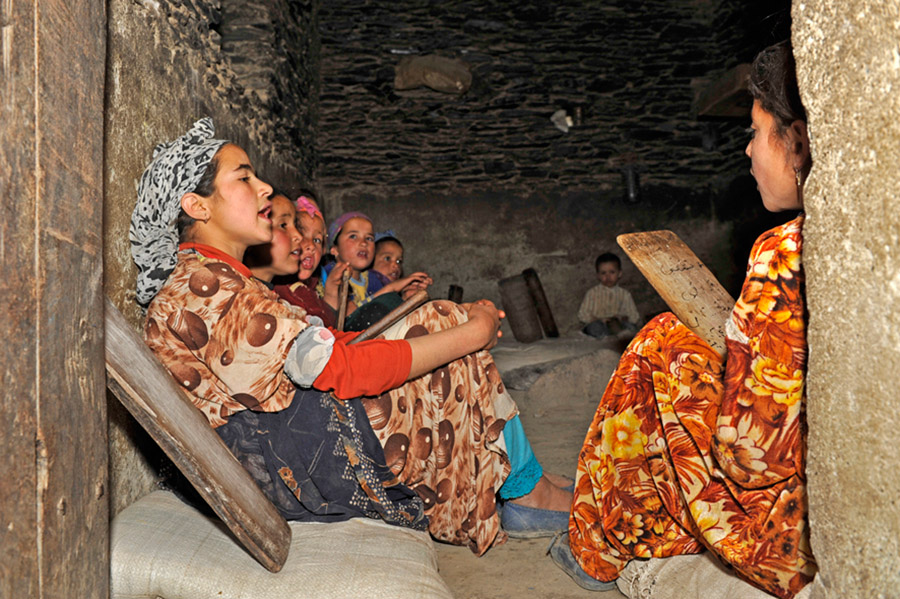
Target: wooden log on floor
147, 390
687, 286
541, 305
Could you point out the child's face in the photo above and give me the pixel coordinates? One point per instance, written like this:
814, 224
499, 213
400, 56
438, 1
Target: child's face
239, 209
285, 245
312, 232
355, 244
608, 273
389, 260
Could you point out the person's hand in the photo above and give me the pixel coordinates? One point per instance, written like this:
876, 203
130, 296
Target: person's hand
333, 284
409, 285
486, 313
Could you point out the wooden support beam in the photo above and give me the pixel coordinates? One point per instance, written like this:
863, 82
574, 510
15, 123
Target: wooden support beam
54, 500
726, 96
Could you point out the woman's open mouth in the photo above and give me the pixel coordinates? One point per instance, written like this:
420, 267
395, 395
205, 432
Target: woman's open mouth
265, 212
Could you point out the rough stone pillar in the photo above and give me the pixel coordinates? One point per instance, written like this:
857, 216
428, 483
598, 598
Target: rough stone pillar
848, 57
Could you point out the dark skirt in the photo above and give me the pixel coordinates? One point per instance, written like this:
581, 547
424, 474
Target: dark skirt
319, 460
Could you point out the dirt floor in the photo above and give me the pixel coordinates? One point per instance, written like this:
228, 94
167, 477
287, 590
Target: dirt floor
559, 384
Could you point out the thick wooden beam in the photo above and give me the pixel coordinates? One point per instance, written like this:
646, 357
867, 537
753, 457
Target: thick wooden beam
726, 96
691, 291
54, 499
19, 560
147, 389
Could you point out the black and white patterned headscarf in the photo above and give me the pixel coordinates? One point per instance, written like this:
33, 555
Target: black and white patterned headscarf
175, 170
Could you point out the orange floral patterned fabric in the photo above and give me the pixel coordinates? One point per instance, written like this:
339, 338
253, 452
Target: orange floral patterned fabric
686, 453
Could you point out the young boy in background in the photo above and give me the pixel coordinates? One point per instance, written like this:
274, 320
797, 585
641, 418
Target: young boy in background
608, 309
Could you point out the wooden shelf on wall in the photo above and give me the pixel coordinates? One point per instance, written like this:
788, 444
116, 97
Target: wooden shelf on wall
724, 96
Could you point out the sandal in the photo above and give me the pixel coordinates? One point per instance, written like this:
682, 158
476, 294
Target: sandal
521, 522
562, 556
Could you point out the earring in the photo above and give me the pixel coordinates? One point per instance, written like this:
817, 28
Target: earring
799, 174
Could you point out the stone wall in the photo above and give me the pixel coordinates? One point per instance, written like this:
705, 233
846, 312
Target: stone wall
167, 68
272, 47
848, 57
482, 185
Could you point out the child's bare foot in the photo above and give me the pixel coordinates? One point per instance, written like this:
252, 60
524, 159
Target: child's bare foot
546, 496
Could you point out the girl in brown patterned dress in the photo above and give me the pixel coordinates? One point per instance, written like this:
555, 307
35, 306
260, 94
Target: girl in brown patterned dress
688, 452
275, 383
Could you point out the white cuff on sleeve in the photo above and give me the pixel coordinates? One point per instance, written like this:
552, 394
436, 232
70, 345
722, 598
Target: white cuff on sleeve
308, 356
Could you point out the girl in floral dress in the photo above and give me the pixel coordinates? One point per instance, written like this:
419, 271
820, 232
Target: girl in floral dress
688, 451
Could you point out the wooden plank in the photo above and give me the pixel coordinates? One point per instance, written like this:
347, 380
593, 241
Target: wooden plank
73, 510
414, 301
683, 281
18, 292
726, 96
147, 390
541, 305
343, 293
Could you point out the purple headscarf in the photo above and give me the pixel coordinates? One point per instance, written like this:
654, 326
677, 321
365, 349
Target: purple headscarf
337, 224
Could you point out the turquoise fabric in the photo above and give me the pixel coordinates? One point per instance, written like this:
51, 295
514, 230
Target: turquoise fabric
526, 470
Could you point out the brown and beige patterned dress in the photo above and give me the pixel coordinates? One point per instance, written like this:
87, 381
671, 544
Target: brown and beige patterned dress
224, 337
686, 453
441, 434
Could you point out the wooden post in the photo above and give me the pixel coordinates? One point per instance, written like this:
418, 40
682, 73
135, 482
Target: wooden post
54, 508
541, 305
455, 294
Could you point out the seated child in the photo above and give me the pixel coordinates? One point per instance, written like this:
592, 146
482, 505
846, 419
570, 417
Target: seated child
607, 309
294, 255
517, 518
277, 386
353, 243
388, 263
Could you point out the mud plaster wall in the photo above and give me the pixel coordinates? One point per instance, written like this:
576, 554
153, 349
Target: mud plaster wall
481, 186
167, 68
848, 56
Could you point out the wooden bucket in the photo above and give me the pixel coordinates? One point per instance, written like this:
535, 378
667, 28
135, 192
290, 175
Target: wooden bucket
545, 315
455, 294
519, 307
